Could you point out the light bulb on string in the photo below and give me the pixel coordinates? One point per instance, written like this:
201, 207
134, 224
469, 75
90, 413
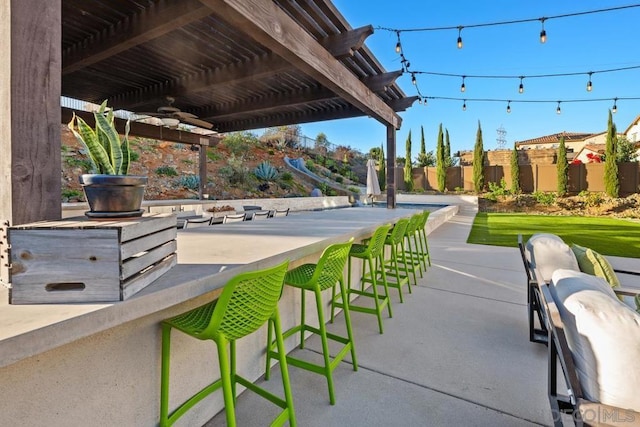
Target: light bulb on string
589, 84
398, 45
508, 107
464, 105
462, 86
521, 87
558, 110
543, 33
460, 37
615, 107
413, 79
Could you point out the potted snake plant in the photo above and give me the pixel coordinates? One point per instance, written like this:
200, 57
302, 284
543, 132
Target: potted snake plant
109, 190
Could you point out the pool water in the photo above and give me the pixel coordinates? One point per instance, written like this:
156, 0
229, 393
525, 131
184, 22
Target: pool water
431, 207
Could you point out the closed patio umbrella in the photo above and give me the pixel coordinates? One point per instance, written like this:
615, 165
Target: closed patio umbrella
373, 186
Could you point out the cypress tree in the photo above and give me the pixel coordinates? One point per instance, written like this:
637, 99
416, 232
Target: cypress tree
423, 145
478, 162
562, 167
408, 170
382, 170
441, 168
447, 150
611, 183
515, 171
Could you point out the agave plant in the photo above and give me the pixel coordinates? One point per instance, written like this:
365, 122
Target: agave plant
107, 153
265, 171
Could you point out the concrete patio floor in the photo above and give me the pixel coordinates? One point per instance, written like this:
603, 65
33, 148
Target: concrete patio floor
456, 353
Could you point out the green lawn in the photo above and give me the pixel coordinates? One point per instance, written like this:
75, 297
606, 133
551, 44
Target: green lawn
605, 235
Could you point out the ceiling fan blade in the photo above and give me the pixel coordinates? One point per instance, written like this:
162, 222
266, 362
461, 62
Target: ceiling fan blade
184, 115
196, 122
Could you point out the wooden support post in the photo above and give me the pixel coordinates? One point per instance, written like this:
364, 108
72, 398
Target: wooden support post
391, 167
202, 161
30, 88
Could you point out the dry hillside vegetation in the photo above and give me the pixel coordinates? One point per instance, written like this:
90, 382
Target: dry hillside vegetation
172, 170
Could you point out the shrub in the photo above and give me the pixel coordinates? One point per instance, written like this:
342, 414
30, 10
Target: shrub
543, 198
235, 172
310, 165
240, 142
286, 176
339, 179
167, 171
68, 193
192, 182
265, 171
591, 199
213, 156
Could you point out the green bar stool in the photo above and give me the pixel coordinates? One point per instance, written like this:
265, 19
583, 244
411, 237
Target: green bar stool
422, 239
316, 278
372, 256
397, 259
247, 302
411, 259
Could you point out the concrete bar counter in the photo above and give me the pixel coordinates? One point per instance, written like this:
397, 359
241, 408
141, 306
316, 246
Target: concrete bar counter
99, 364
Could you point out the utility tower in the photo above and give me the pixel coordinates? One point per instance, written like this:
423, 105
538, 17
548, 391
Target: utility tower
501, 140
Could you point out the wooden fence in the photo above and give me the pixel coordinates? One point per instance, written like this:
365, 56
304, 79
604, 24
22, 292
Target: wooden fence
589, 177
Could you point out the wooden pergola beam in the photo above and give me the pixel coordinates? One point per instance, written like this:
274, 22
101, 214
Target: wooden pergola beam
145, 130
381, 81
267, 105
346, 43
403, 104
268, 25
285, 119
155, 21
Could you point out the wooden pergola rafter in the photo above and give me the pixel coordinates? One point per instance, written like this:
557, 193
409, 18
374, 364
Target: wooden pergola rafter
238, 64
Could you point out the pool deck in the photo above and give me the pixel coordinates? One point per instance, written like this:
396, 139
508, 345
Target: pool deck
455, 353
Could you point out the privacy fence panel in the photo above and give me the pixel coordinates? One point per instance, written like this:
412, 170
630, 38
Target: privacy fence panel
589, 177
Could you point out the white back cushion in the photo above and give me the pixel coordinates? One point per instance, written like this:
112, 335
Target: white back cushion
604, 338
547, 253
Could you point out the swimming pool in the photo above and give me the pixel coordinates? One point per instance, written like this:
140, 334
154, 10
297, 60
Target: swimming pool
431, 207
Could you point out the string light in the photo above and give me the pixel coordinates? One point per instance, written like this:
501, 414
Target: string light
464, 105
508, 106
521, 77
460, 37
558, 110
413, 79
398, 44
543, 33
615, 107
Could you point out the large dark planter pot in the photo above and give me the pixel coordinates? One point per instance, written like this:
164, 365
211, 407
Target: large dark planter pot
113, 196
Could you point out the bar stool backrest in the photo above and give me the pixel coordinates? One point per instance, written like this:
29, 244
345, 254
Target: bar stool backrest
331, 264
399, 230
413, 225
376, 243
424, 216
246, 303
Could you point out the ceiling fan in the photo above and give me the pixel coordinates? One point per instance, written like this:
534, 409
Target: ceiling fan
172, 116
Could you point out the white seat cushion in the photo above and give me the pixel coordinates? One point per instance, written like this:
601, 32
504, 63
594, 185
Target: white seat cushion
547, 253
604, 338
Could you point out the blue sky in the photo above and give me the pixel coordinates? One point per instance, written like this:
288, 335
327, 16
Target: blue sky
579, 44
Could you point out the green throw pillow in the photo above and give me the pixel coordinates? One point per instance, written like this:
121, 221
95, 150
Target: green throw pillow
591, 262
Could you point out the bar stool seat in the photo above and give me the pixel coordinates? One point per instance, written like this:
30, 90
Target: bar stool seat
316, 278
247, 302
372, 256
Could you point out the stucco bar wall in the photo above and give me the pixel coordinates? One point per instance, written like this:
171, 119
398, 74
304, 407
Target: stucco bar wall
95, 364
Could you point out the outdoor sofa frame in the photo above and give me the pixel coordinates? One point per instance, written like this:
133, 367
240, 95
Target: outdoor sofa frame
538, 330
546, 327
